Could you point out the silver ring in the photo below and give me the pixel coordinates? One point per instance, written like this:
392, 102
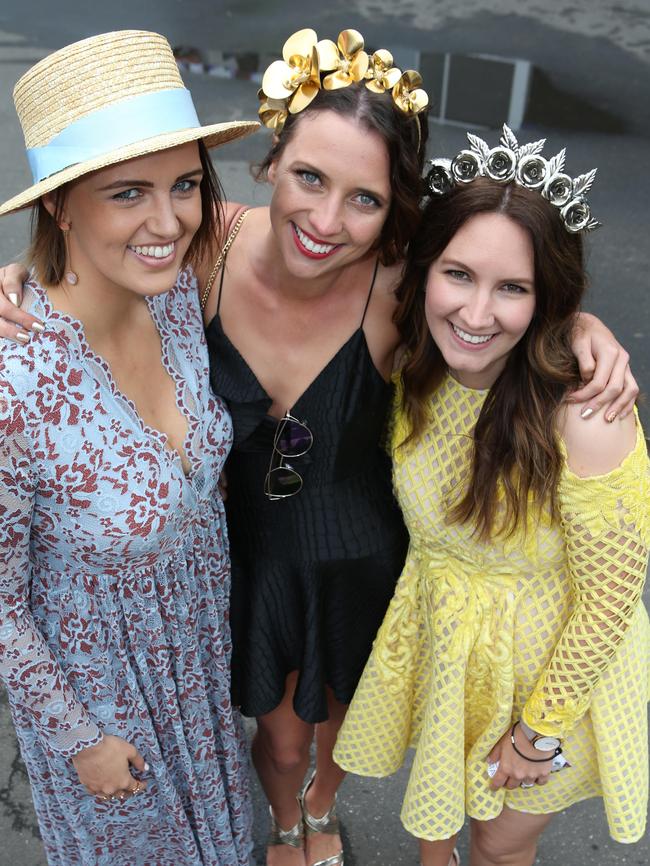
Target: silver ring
527, 785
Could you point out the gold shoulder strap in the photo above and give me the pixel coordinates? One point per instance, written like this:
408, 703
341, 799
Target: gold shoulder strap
222, 255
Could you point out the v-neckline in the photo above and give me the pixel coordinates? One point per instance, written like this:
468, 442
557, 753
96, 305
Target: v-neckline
354, 335
88, 353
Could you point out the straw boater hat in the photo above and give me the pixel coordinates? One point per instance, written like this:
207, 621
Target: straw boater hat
104, 100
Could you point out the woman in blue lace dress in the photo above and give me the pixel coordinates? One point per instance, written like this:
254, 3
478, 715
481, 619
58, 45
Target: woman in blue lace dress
114, 570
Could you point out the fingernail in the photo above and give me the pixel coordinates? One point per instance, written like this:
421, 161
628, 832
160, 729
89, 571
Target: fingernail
611, 417
146, 767
38, 327
14, 298
587, 413
22, 336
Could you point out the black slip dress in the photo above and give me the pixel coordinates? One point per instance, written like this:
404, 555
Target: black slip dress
312, 574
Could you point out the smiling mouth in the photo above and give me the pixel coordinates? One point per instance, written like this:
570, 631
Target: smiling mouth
309, 246
471, 339
152, 251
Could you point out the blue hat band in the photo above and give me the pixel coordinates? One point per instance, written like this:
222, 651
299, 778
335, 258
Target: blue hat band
118, 125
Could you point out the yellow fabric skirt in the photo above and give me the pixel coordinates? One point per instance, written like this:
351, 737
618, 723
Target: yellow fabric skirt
454, 663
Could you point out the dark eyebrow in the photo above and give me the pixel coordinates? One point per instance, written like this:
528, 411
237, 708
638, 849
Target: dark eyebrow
120, 184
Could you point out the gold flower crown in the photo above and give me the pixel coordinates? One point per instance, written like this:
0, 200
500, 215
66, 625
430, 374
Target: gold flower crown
309, 65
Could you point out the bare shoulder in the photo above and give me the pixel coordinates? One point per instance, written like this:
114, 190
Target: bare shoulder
381, 333
389, 278
204, 267
595, 447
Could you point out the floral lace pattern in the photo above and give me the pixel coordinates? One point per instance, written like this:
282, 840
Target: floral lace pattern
114, 589
548, 624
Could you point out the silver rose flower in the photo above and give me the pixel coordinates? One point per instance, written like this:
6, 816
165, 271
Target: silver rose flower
532, 171
439, 178
558, 189
466, 167
501, 164
576, 215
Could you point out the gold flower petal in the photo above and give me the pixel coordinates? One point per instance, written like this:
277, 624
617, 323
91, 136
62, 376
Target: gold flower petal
273, 113
419, 100
314, 67
277, 80
391, 77
301, 42
336, 80
382, 60
328, 54
359, 66
303, 96
412, 79
349, 42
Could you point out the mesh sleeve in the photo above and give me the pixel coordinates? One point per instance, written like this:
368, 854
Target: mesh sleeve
605, 521
28, 668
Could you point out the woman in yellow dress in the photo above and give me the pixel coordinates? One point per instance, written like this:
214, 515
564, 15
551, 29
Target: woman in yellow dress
514, 656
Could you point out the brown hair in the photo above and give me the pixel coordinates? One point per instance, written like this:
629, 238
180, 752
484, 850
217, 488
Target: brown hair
515, 436
405, 138
47, 254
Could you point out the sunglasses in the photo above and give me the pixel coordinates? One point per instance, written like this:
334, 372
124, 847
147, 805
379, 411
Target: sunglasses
292, 439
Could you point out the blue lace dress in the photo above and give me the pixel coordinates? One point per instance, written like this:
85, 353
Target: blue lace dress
114, 586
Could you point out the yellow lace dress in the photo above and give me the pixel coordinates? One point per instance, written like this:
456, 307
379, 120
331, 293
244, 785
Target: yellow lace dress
548, 625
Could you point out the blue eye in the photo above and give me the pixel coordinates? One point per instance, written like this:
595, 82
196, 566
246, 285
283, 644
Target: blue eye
514, 289
367, 200
185, 185
461, 276
308, 177
127, 194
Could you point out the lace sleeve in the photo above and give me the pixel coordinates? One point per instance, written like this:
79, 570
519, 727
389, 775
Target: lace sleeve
27, 666
606, 525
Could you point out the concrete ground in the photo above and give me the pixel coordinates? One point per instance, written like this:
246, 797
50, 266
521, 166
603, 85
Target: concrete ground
596, 58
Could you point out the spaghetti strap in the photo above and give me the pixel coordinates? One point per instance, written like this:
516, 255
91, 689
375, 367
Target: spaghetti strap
222, 257
372, 285
223, 272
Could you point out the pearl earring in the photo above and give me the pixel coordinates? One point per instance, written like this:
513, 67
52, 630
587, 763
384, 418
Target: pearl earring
70, 275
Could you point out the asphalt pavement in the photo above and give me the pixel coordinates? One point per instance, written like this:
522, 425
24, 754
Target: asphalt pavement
595, 60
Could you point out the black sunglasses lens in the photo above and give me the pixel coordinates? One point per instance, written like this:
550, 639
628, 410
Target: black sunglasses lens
283, 481
293, 439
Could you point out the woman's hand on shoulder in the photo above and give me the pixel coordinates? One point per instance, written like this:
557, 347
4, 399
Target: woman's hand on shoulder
105, 769
13, 320
598, 447
604, 367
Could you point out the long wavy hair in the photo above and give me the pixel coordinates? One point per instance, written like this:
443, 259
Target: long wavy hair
515, 444
405, 138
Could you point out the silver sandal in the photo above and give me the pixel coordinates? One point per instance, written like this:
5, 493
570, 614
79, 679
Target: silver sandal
295, 836
328, 823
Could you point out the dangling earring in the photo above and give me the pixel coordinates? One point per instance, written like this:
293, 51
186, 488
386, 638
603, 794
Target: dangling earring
70, 275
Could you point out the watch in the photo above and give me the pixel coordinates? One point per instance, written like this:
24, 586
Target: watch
541, 742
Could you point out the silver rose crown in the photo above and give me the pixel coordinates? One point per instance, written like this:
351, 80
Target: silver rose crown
510, 161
